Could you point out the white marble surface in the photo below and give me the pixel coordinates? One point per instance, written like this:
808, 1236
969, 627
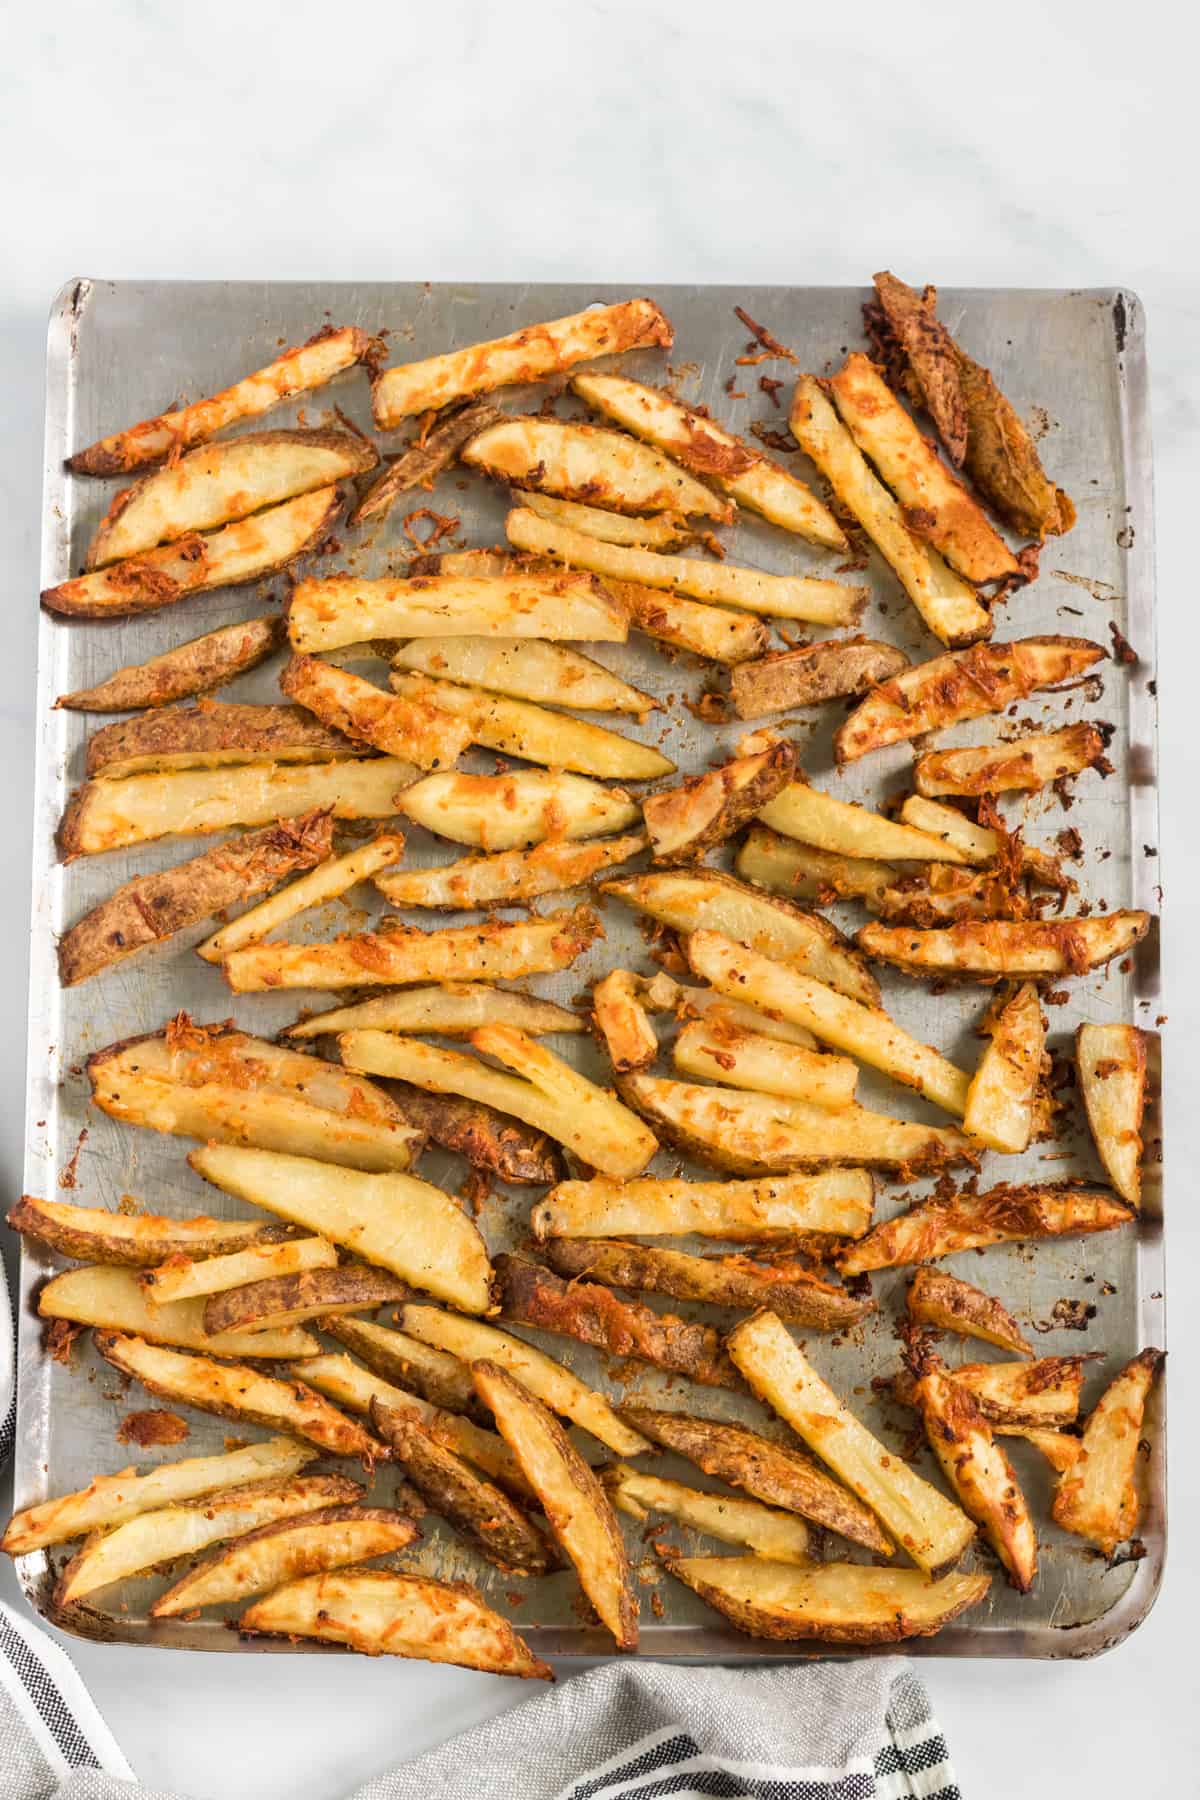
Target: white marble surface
1026, 145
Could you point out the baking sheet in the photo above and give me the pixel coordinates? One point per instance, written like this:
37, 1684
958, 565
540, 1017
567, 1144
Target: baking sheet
1074, 363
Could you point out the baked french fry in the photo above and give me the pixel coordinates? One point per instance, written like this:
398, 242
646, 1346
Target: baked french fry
978, 1471
783, 866
745, 1059
585, 462
766, 1530
687, 821
181, 1279
945, 894
527, 669
660, 531
1043, 1393
409, 725
838, 1202
133, 1240
434, 1375
948, 1304
980, 844
812, 673
511, 812
1111, 1064
295, 1299
663, 994
1003, 1091
969, 1221
452, 1009
621, 1019
1018, 765
111, 1299
843, 829
715, 632
980, 949
334, 876
835, 1603
348, 609
423, 460
1097, 1496
211, 736
187, 669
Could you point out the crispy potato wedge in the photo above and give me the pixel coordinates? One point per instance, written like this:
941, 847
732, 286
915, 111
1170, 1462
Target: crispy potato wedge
585, 462
694, 439
778, 596
111, 1500
211, 736
511, 812
286, 1550
1003, 1091
133, 1240
518, 728
661, 531
932, 1530
1043, 1393
530, 354
844, 829
981, 949
945, 894
187, 669
862, 1031
296, 371
746, 1059
111, 1299
526, 669
561, 1391
946, 602
490, 1522
535, 1296
706, 900
230, 557
687, 821
1097, 1497
407, 725
774, 1473
815, 672
379, 1612
541, 1089
423, 460
180, 1278
789, 1288
935, 504
965, 684
978, 1472
767, 1531
406, 1226
434, 1375
108, 815
487, 1139
1111, 1065
573, 1501
947, 1304
713, 632
1060, 1448
801, 872
836, 1603
969, 1221
839, 1202
335, 876
980, 844
347, 609
1017, 765
489, 952
663, 994
622, 1021
452, 1009
294, 1299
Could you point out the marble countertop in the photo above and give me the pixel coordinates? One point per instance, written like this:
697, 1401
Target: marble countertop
651, 142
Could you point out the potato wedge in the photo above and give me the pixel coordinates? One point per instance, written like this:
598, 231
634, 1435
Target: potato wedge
511, 812
295, 1299
695, 439
930, 1528
981, 844
152, 908
286, 1550
526, 669
687, 821
434, 1375
836, 1603
622, 1021
1097, 1497
585, 462
491, 1523
936, 505
347, 609
1018, 765
969, 1221
775, 1473
761, 1134
1042, 1393
182, 1279
947, 603
542, 1089
815, 672
944, 894
230, 557
518, 728
713, 632
745, 1059
487, 1139
778, 596
296, 371
452, 1009
844, 829
789, 1288
561, 1391
535, 1296
663, 994
187, 669
111, 1299
490, 952
966, 684
767, 1531
408, 725
380, 1612
783, 866
211, 736
1111, 1065
530, 354
978, 1472
108, 815
575, 1504
1003, 1091
423, 460
406, 1226
839, 1202
705, 900
861, 1031
948, 1304
1060, 1448
981, 949
133, 1240
111, 1500
661, 531
335, 876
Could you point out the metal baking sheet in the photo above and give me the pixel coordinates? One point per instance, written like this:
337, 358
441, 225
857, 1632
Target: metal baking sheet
1072, 361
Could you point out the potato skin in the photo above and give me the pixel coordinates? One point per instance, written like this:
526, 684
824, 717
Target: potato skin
489, 1140
687, 821
823, 671
263, 733
307, 1294
89, 1242
424, 459
188, 669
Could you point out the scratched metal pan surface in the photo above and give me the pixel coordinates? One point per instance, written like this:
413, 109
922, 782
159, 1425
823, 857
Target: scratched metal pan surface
1073, 361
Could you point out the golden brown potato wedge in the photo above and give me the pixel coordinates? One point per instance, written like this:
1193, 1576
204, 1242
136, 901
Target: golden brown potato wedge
111, 1299
326, 614
838, 1202
1111, 1065
965, 684
296, 371
133, 1240
663, 994
943, 894
1097, 1497
1042, 1393
981, 844
489, 1140
969, 1221
981, 949
212, 735
406, 1226
411, 726
434, 1375
452, 1009
187, 669
948, 1304
1018, 765
767, 1531
815, 672
585, 462
530, 354
843, 829
1060, 1448
747, 1059
423, 460
514, 811
295, 1299
527, 669
379, 1612
182, 1279
1003, 1092
932, 1530
783, 866
335, 876
714, 632
576, 1505
978, 1471
660, 531
687, 821
622, 1021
